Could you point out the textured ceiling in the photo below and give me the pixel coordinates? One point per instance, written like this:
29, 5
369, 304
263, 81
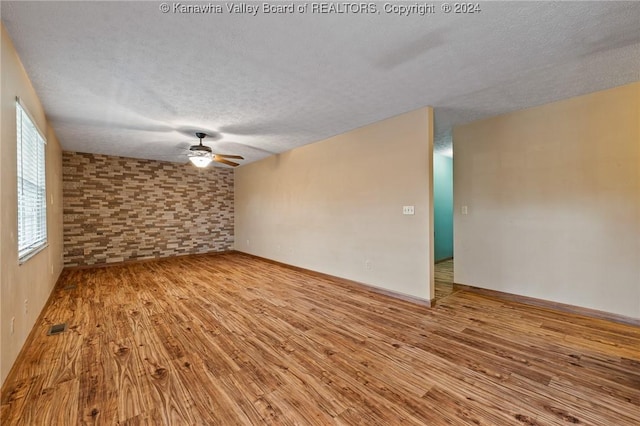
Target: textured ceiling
123, 78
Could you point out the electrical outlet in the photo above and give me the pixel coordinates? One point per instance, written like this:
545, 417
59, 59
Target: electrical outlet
464, 210
26, 306
367, 265
248, 242
408, 210
13, 324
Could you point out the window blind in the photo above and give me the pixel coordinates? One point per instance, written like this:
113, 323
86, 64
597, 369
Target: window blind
32, 194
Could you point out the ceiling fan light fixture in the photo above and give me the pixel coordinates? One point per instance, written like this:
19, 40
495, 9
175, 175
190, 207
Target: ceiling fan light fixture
200, 158
200, 155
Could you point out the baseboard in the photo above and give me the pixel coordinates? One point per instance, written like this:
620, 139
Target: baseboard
145, 260
349, 283
443, 260
556, 306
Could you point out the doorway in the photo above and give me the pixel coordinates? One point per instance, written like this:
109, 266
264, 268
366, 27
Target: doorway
443, 219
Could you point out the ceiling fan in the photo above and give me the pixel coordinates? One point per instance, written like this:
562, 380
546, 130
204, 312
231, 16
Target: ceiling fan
201, 155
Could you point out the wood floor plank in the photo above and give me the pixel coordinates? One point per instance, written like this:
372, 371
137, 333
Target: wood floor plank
231, 339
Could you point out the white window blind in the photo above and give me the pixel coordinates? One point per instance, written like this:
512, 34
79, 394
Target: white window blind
32, 194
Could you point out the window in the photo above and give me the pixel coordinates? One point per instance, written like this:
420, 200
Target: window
32, 194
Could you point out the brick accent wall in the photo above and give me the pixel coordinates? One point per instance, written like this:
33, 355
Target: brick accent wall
118, 209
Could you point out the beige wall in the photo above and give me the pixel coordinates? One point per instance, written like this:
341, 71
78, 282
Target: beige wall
553, 196
33, 280
334, 205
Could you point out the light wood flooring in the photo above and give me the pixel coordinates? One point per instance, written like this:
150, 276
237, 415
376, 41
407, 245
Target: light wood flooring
443, 279
234, 340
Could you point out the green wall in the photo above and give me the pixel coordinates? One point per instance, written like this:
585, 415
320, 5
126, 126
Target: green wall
443, 206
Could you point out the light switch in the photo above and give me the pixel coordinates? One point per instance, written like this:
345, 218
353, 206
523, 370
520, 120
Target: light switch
465, 210
408, 210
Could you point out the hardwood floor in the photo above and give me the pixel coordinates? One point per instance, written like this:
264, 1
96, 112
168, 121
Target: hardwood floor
233, 340
443, 279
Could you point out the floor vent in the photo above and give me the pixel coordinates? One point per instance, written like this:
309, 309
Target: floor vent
70, 287
57, 329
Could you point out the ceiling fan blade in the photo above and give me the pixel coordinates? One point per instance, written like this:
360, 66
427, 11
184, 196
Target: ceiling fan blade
237, 157
223, 161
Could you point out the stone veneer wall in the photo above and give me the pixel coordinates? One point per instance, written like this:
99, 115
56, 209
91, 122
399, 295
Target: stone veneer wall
118, 209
